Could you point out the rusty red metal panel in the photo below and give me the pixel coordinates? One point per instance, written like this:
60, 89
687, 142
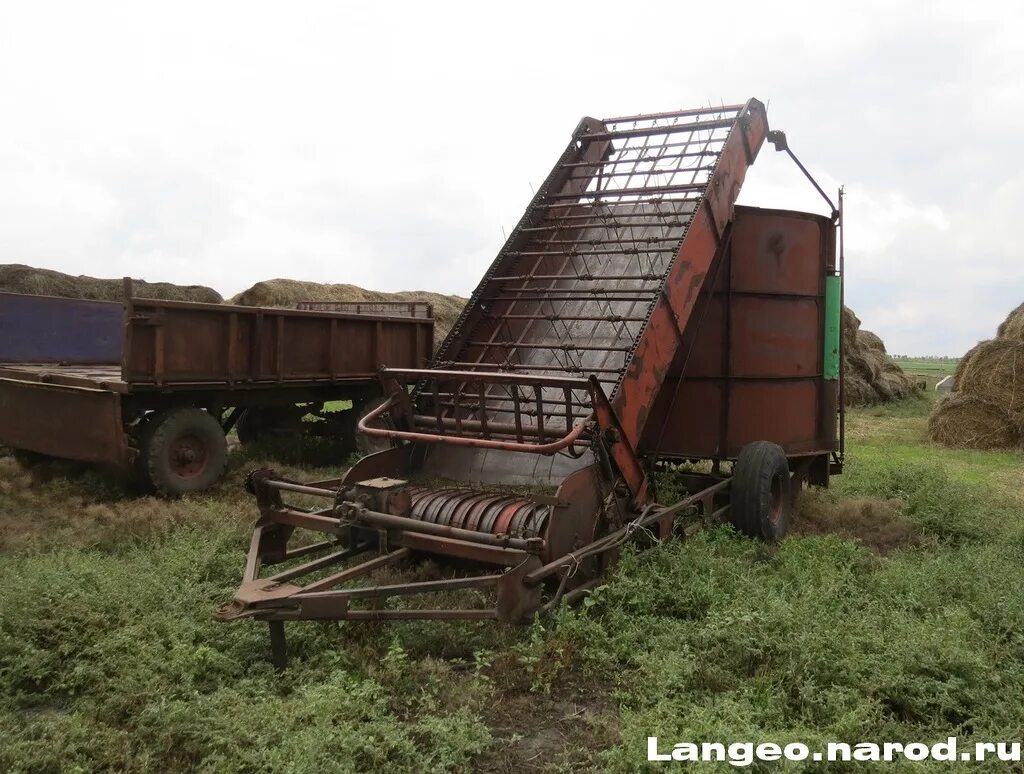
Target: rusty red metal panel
69, 422
754, 370
176, 342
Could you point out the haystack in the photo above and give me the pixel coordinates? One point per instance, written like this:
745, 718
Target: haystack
1013, 326
17, 278
871, 376
967, 421
986, 411
995, 374
287, 293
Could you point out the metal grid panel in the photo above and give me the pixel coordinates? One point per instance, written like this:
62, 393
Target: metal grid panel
572, 290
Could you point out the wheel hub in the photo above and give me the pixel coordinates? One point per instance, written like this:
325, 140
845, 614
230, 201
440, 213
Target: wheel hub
188, 457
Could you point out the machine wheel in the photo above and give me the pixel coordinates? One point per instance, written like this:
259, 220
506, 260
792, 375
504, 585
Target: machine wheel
185, 451
261, 423
761, 494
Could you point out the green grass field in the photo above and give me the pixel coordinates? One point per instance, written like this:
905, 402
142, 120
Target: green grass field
894, 612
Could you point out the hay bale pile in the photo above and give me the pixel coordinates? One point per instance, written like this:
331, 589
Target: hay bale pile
871, 376
18, 278
1013, 326
287, 293
986, 409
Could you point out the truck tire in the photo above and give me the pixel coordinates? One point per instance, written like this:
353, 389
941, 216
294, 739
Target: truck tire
185, 451
761, 496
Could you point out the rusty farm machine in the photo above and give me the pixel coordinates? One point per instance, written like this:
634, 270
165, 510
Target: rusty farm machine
635, 319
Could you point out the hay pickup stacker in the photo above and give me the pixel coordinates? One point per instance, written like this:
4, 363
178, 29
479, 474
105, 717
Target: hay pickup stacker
635, 318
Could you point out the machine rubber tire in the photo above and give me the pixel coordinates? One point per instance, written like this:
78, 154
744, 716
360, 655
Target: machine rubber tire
761, 496
185, 451
262, 423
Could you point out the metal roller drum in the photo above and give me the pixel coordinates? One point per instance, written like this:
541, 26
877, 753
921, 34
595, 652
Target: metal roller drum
496, 513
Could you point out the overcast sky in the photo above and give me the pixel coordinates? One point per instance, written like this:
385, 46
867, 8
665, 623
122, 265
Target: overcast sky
391, 145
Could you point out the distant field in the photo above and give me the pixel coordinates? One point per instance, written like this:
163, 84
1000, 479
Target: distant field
928, 366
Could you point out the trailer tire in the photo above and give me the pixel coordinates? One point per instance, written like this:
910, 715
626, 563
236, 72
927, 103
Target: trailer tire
761, 496
185, 451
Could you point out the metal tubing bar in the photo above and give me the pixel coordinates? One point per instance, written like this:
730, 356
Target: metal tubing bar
545, 345
402, 589
651, 515
609, 225
390, 521
318, 564
497, 428
565, 318
653, 131
591, 295
350, 573
591, 253
445, 375
578, 278
641, 191
649, 172
288, 486
689, 112
639, 160
509, 367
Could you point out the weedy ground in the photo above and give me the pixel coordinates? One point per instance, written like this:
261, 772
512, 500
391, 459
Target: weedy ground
894, 612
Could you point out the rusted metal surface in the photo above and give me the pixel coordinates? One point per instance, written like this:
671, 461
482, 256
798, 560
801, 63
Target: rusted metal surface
169, 342
420, 309
57, 420
755, 369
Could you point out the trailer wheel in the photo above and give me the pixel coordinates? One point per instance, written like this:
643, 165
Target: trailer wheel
185, 451
761, 495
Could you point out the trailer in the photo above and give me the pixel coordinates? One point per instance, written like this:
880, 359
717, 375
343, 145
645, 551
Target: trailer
635, 321
152, 387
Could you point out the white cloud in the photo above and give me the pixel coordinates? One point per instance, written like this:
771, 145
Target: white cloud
389, 144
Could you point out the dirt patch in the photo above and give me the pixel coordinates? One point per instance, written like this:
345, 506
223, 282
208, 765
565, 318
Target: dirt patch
18, 278
560, 730
872, 521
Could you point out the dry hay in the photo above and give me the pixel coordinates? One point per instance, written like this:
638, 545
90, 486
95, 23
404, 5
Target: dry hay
965, 421
870, 375
287, 293
1013, 326
875, 522
18, 278
958, 374
995, 374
